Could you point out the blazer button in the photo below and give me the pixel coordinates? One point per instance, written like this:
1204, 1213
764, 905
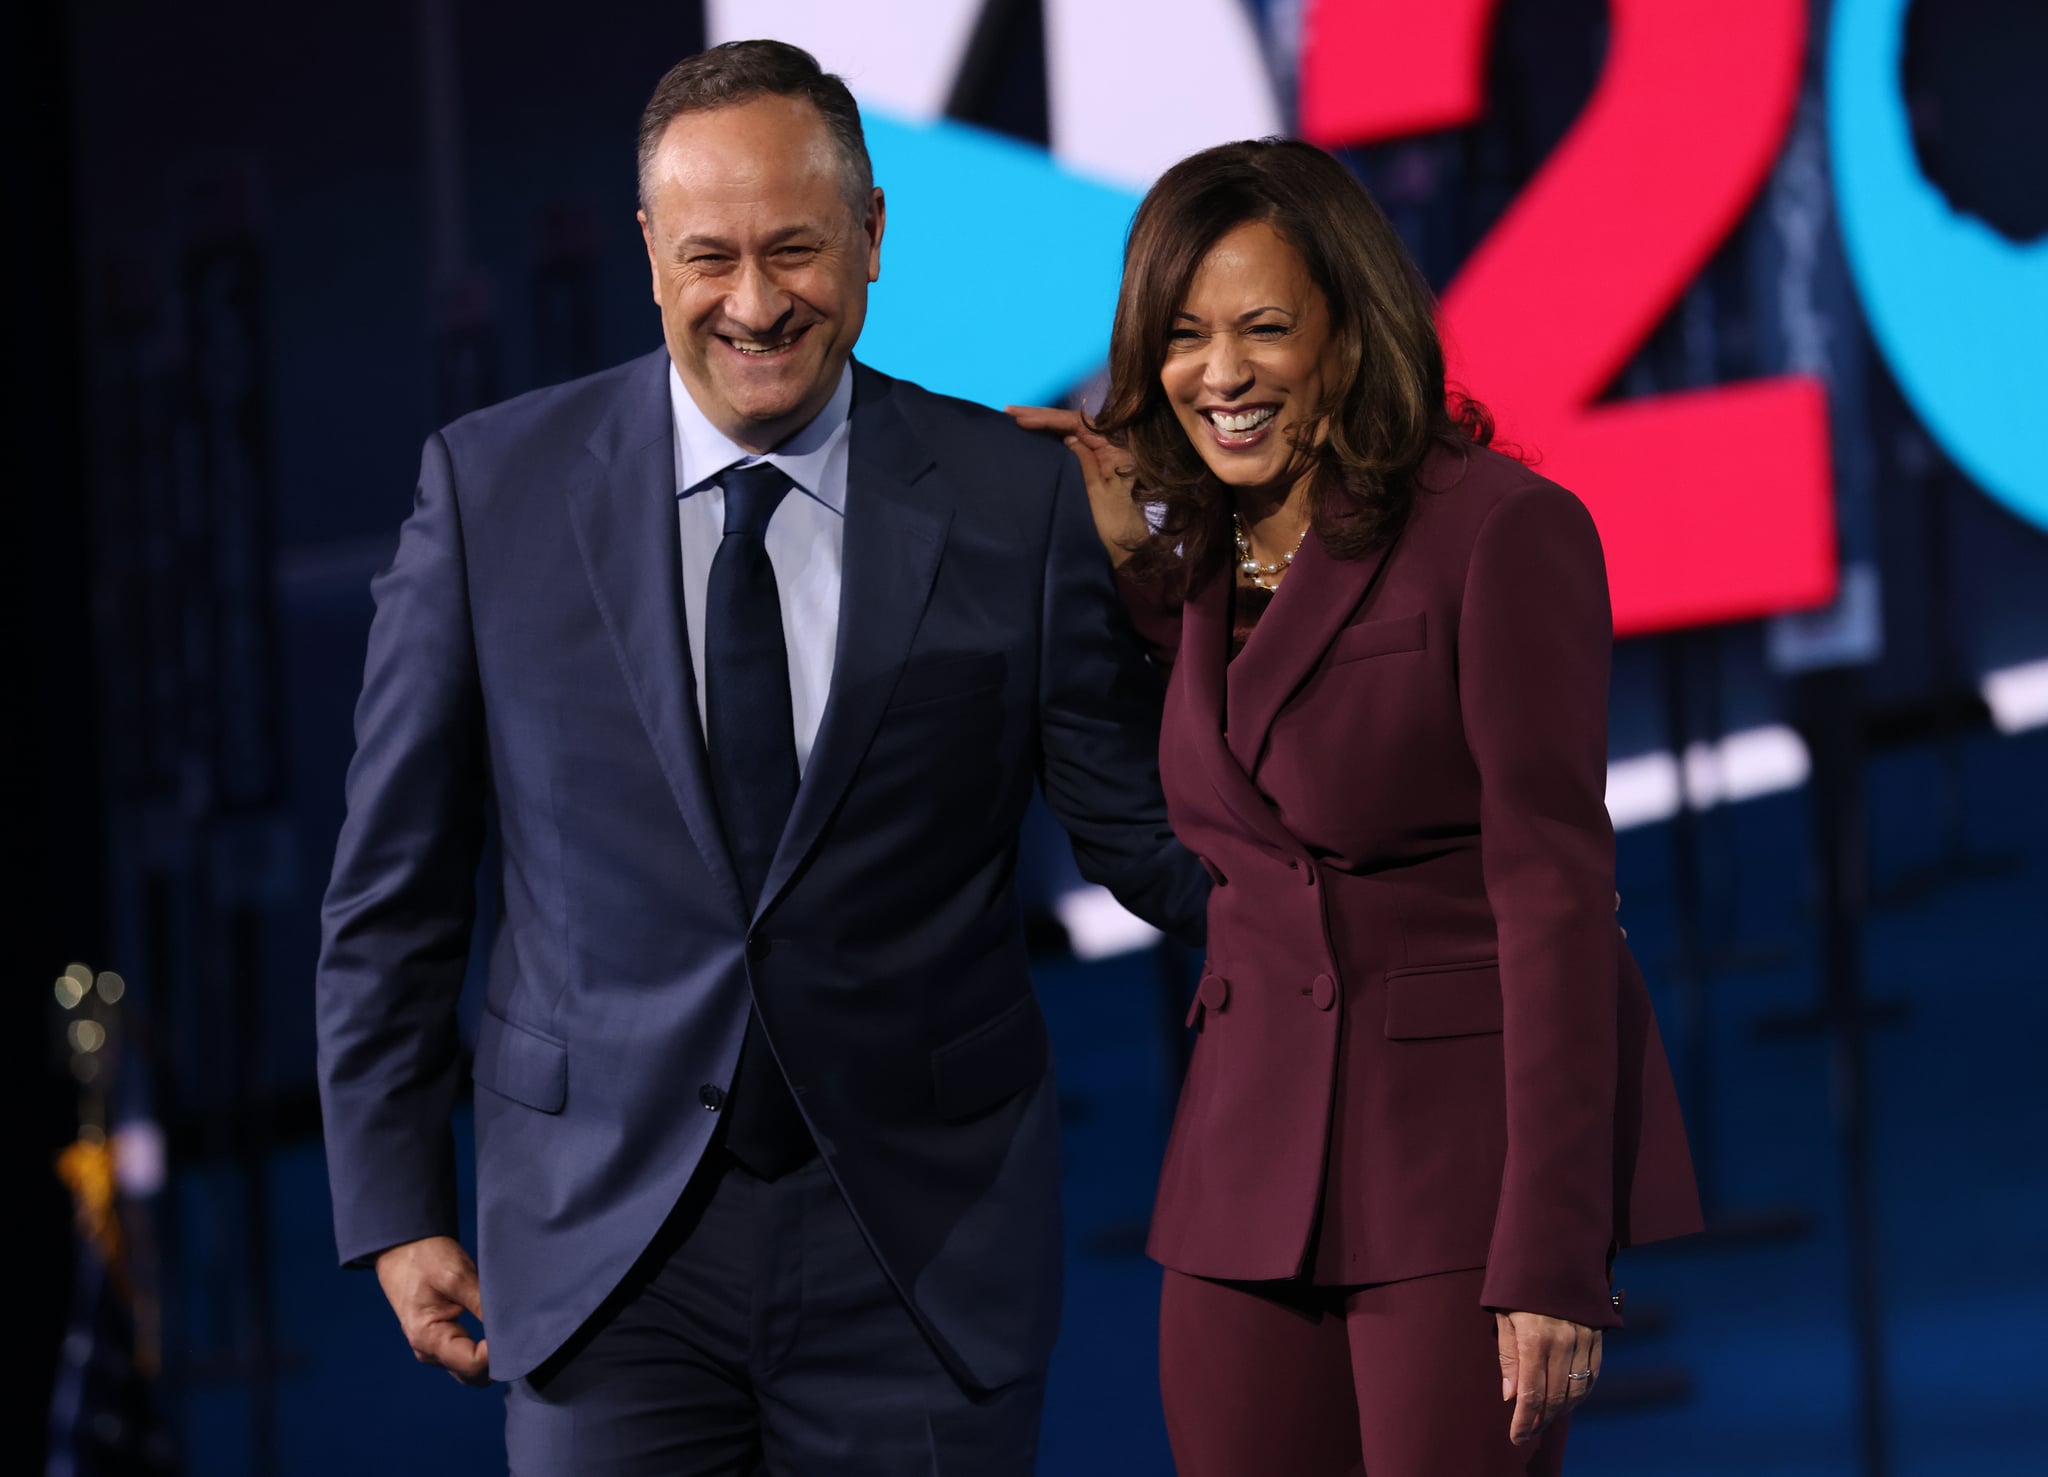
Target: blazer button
711, 1096
1214, 992
757, 947
1324, 992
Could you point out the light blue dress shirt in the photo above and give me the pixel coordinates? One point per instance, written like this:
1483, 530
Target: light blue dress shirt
806, 539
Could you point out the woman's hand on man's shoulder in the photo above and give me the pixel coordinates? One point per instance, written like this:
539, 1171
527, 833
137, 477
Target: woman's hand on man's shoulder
1106, 470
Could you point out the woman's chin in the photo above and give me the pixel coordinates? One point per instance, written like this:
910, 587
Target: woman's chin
1244, 473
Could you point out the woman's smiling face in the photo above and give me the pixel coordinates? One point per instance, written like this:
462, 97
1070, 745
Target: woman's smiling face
1246, 357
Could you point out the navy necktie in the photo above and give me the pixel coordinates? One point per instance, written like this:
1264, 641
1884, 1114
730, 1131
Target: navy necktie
751, 743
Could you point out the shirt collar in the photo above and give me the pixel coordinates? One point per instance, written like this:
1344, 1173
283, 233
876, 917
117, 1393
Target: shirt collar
703, 451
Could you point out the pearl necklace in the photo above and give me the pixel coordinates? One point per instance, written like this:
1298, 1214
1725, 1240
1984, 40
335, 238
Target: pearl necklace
1248, 563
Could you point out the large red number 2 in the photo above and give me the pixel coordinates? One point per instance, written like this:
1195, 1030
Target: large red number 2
1714, 505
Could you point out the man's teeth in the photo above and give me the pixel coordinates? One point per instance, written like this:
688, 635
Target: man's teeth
1250, 420
755, 346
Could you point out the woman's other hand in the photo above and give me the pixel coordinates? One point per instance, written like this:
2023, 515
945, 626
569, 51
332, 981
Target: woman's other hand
1538, 1358
1118, 521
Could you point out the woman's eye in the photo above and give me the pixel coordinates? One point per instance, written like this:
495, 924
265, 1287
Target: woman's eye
1267, 330
1181, 336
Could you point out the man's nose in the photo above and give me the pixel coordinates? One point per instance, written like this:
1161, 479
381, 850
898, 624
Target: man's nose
756, 303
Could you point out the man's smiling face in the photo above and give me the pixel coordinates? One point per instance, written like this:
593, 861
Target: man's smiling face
761, 259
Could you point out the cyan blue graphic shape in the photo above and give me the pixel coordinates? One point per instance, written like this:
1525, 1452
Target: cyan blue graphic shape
999, 268
1960, 312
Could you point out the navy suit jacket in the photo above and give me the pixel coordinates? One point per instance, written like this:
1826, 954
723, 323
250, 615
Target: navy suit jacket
527, 665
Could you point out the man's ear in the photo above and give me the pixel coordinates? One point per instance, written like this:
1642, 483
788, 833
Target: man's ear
877, 217
653, 265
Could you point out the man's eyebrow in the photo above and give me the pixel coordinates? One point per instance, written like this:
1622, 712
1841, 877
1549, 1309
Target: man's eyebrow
702, 240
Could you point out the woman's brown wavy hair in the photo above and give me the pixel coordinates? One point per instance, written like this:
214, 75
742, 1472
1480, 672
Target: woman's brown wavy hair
1386, 404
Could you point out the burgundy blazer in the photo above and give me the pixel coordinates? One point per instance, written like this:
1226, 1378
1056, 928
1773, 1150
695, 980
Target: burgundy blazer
1423, 1043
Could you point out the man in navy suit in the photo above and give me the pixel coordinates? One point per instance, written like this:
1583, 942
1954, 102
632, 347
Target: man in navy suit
751, 655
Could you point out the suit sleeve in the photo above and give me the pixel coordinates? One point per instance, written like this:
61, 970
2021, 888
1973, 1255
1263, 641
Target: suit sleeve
1099, 705
1535, 642
1154, 606
395, 925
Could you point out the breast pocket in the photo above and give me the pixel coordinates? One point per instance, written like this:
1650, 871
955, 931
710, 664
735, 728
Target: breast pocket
939, 679
1366, 639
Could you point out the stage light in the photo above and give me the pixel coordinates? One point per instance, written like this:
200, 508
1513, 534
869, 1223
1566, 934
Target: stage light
111, 987
1642, 790
69, 992
1744, 765
1645, 789
139, 1157
87, 1036
1099, 927
2017, 696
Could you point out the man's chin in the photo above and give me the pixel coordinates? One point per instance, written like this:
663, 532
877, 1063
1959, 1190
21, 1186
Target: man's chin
766, 404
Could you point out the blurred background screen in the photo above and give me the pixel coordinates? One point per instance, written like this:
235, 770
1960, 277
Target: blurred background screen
1764, 281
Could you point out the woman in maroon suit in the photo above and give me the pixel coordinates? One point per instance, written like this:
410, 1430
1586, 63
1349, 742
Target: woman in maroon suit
1428, 1099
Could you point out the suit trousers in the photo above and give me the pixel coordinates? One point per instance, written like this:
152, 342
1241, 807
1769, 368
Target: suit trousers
1400, 1379
759, 1335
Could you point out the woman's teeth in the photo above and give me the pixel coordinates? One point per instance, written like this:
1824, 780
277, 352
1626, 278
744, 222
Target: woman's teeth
1238, 425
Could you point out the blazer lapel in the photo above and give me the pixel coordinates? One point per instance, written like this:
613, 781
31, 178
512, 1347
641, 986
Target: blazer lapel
1315, 600
1204, 654
897, 513
624, 516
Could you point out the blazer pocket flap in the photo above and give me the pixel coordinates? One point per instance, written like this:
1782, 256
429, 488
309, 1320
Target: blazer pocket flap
996, 1060
1378, 638
932, 679
1434, 1000
520, 1063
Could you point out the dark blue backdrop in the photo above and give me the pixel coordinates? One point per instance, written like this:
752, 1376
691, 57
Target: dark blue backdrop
253, 303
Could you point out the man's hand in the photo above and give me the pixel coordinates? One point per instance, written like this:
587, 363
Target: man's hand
1538, 1357
431, 1284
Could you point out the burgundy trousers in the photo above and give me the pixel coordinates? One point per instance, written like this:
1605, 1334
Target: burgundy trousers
1401, 1379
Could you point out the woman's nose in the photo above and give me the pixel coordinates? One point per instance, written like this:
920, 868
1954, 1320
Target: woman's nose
1225, 374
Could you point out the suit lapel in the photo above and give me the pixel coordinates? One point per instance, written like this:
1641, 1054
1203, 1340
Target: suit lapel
897, 513
624, 516
1204, 654
1317, 597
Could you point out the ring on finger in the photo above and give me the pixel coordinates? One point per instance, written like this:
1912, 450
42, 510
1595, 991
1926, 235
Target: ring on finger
1580, 1374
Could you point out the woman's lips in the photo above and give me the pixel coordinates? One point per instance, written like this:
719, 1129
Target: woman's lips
1240, 428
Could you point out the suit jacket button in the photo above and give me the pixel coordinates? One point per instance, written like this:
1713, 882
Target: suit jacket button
711, 1096
1324, 992
1215, 992
757, 947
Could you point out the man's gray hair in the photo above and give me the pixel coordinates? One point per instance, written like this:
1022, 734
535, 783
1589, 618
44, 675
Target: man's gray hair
740, 71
